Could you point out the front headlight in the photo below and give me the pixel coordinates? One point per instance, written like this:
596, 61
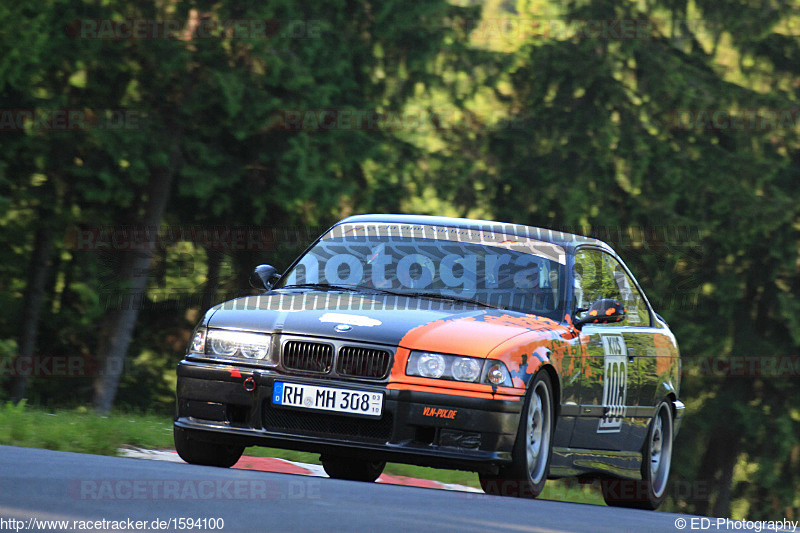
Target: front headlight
458, 368
431, 365
198, 344
497, 374
466, 369
222, 343
232, 344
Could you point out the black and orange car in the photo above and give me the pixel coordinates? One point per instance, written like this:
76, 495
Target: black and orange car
520, 353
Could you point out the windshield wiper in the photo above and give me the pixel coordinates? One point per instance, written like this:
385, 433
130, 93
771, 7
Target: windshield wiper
352, 288
419, 294
324, 287
450, 297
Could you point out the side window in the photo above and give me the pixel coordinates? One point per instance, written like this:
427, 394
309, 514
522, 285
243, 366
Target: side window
598, 275
584, 279
635, 306
593, 278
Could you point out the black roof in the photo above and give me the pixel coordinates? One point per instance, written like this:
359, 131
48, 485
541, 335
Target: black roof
567, 240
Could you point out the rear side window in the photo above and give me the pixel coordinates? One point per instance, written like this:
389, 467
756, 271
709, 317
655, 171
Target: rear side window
598, 275
637, 313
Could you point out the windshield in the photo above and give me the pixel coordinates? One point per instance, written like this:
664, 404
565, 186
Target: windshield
491, 268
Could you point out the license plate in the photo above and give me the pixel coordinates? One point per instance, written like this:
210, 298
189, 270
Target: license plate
327, 399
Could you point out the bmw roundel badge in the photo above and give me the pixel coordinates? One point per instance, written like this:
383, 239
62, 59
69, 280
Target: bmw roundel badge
342, 327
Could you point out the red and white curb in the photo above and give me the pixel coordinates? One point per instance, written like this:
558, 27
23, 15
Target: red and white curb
284, 466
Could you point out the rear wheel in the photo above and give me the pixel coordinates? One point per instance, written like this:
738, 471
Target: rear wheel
526, 476
649, 492
200, 452
352, 469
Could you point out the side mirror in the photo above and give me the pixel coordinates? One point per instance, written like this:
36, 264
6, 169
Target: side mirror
605, 311
264, 277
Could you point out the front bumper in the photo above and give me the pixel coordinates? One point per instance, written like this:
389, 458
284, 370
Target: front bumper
423, 428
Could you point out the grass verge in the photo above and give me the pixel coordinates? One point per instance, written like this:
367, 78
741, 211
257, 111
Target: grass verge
80, 430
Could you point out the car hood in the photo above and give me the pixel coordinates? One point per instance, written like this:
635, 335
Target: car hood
414, 323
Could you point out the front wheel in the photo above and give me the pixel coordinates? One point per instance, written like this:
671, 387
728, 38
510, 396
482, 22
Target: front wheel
352, 469
526, 476
200, 452
649, 492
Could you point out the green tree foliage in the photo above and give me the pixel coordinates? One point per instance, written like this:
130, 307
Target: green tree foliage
211, 140
537, 112
620, 136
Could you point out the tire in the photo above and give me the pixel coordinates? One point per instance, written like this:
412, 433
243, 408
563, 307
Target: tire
352, 469
649, 492
526, 476
200, 452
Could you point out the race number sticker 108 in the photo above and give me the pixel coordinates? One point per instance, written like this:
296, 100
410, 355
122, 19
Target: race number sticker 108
615, 383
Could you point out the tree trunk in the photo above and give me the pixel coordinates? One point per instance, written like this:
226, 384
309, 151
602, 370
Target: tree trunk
715, 476
134, 269
730, 456
208, 298
32, 303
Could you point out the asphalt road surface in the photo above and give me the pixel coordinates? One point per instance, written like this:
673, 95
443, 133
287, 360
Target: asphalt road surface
92, 492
